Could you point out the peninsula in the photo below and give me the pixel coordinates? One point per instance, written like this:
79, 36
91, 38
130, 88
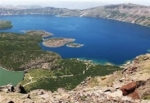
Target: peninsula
5, 24
57, 42
41, 33
21, 52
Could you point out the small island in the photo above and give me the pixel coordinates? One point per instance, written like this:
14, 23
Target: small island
75, 45
4, 24
41, 33
57, 42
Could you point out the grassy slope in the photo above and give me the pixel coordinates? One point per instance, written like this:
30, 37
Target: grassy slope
71, 74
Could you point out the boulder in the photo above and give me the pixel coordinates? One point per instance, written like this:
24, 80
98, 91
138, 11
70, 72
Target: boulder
130, 90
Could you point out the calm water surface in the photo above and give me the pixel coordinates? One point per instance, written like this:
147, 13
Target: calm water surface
12, 77
104, 40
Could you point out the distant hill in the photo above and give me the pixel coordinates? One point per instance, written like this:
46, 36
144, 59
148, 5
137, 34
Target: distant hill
132, 13
75, 4
20, 6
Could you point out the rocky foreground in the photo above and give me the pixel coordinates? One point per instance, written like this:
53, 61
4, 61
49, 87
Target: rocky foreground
131, 85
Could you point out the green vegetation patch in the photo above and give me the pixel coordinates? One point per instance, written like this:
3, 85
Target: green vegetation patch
147, 97
71, 74
5, 24
20, 52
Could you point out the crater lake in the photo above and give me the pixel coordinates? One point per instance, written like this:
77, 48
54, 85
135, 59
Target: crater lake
104, 40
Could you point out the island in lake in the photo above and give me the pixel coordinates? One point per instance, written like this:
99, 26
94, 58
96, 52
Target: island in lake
57, 42
53, 42
74, 45
4, 24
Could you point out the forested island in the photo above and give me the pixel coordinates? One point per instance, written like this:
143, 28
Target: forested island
75, 45
4, 24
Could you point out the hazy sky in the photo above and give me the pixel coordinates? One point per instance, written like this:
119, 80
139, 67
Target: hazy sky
64, 2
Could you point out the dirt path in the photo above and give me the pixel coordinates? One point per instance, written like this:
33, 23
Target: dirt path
31, 81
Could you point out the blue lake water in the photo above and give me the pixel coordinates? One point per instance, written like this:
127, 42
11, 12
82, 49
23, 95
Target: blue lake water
104, 40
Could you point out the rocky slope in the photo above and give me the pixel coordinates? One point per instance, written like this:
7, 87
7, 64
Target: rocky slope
131, 85
132, 13
41, 11
123, 12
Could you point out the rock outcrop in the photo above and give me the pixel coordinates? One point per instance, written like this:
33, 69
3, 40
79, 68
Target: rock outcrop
10, 88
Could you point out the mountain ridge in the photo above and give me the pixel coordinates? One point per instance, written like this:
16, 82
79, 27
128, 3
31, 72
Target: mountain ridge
132, 13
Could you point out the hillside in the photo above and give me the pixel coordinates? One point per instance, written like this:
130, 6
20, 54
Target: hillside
50, 79
123, 12
44, 69
131, 13
21, 52
123, 86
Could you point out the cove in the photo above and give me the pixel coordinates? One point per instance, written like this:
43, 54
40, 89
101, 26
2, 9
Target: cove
12, 77
104, 40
